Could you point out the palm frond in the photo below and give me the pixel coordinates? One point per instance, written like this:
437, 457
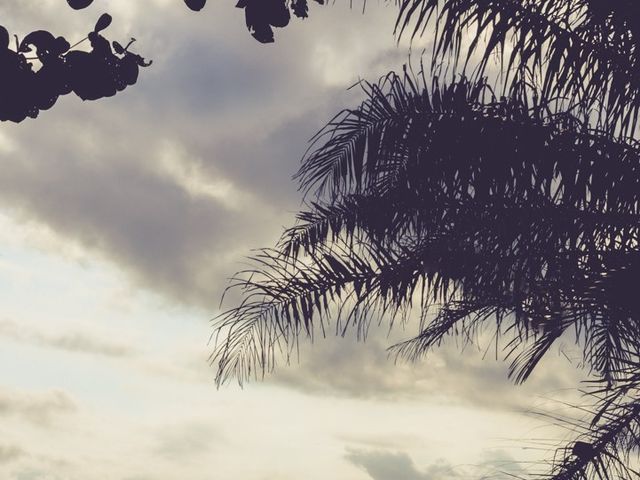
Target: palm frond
288, 298
504, 209
583, 50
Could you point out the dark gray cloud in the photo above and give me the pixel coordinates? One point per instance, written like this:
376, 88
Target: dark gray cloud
105, 199
72, 342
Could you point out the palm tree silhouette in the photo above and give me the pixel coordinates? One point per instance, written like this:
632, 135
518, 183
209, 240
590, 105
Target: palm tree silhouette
507, 200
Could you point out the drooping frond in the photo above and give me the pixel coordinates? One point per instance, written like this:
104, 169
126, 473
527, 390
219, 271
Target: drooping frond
287, 298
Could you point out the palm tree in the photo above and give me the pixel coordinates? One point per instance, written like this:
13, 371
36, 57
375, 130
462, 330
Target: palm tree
508, 201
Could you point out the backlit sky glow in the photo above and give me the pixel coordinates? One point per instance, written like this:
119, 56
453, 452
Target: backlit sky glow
120, 221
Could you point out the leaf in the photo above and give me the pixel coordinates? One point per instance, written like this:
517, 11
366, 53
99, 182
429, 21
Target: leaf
103, 22
195, 5
119, 49
79, 4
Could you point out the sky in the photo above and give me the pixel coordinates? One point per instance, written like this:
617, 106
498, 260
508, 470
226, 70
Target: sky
121, 221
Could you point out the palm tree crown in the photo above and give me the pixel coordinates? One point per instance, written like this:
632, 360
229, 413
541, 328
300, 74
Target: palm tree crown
512, 203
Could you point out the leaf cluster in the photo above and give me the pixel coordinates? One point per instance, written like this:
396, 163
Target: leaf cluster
34, 83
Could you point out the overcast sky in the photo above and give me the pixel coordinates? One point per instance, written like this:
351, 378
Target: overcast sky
120, 221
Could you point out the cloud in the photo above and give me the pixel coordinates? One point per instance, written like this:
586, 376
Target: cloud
176, 179
76, 342
388, 441
38, 408
498, 465
186, 441
344, 367
85, 344
393, 465
10, 453
385, 465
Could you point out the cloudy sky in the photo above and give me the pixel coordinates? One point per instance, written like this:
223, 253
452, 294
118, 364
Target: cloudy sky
120, 221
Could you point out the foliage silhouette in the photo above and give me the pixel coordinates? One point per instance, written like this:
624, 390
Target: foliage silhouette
195, 5
508, 201
32, 84
105, 70
260, 15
